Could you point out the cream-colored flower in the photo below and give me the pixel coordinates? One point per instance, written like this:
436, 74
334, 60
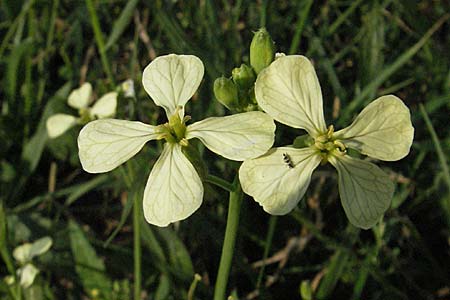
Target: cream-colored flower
24, 255
174, 190
289, 91
105, 107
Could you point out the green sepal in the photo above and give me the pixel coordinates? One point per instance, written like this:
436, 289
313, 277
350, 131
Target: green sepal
193, 155
244, 77
226, 92
303, 141
262, 50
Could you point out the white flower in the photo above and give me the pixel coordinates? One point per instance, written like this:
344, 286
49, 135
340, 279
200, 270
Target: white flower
104, 107
174, 190
24, 255
289, 91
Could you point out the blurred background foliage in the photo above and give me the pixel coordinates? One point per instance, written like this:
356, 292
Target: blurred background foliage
361, 49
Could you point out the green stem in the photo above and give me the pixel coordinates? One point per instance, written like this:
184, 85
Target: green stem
269, 238
234, 208
99, 40
137, 254
439, 151
223, 184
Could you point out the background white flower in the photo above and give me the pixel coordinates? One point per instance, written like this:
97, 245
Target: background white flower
24, 254
174, 189
289, 91
104, 107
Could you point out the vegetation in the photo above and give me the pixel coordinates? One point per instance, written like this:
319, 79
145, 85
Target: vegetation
101, 246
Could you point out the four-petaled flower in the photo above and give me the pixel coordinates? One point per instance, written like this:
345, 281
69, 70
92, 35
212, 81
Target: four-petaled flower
289, 91
174, 189
105, 107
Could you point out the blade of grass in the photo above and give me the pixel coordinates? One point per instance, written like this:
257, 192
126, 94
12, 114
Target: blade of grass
343, 17
302, 16
121, 23
389, 70
100, 41
440, 153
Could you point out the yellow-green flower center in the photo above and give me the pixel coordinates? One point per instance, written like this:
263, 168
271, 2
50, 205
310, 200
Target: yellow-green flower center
174, 131
328, 145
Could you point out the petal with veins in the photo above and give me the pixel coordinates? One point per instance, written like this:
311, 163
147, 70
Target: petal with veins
278, 185
289, 91
59, 123
105, 107
382, 130
237, 137
171, 80
174, 190
365, 190
79, 98
105, 144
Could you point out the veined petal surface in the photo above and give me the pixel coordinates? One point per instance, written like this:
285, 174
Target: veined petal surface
289, 91
105, 144
105, 107
236, 137
80, 97
365, 190
279, 179
59, 123
171, 80
382, 130
174, 190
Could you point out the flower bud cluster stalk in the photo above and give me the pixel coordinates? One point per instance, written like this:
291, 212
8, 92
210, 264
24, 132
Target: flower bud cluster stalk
237, 93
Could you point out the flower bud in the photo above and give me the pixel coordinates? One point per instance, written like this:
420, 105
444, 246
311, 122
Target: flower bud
262, 50
226, 92
243, 76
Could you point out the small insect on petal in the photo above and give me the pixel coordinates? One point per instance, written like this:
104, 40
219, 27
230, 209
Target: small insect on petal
287, 160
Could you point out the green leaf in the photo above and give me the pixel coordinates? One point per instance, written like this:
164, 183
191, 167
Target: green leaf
121, 23
89, 267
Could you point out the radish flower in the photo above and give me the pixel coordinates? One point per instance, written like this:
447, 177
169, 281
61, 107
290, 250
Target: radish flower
24, 254
174, 190
105, 107
289, 91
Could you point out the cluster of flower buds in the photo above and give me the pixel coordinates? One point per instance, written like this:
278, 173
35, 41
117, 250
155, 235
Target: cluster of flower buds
237, 93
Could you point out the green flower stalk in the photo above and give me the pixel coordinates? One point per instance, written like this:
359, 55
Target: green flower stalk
262, 50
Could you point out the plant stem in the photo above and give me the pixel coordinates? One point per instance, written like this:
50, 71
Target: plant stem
99, 40
137, 255
269, 238
234, 208
223, 184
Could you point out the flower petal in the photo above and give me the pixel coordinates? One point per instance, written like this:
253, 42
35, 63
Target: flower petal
174, 190
237, 137
27, 275
289, 91
365, 190
22, 253
171, 80
79, 98
279, 179
40, 246
105, 107
105, 144
382, 130
59, 123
